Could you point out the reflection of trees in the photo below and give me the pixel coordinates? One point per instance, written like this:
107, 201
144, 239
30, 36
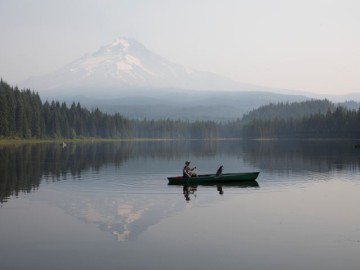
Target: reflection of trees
23, 166
19, 171
311, 155
170, 149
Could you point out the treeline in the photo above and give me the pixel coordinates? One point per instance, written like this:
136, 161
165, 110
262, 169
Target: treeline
286, 110
23, 115
175, 129
340, 123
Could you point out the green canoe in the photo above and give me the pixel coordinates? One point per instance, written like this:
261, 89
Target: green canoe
212, 178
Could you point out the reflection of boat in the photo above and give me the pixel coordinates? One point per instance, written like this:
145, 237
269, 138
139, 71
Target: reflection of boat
213, 178
238, 184
191, 189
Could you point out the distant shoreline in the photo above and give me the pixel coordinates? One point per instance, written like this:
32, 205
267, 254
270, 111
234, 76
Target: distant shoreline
60, 141
18, 141
7, 141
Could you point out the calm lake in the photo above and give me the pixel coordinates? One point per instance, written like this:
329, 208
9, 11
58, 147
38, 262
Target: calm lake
109, 206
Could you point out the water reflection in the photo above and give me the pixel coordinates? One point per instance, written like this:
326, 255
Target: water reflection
24, 167
87, 195
129, 215
190, 190
125, 217
187, 190
300, 155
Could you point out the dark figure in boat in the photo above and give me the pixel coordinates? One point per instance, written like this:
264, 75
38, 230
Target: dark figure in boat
219, 171
187, 172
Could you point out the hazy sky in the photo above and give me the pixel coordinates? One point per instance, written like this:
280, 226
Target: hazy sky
309, 45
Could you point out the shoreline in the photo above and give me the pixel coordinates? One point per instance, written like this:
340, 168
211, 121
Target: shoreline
7, 141
17, 141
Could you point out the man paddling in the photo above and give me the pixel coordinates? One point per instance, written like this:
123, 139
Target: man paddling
187, 172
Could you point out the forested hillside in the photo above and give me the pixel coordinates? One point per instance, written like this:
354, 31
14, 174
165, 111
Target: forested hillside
341, 123
288, 110
23, 115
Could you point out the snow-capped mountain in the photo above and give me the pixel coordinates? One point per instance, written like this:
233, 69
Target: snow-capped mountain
127, 64
127, 78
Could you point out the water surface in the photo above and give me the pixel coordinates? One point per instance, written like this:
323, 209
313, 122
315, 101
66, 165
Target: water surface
108, 206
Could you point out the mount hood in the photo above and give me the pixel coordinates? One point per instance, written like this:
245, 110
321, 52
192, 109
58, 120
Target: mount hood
126, 64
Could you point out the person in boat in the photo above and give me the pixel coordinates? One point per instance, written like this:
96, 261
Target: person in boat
187, 172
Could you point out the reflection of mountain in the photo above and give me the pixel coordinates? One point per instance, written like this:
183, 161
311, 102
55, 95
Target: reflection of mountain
124, 201
124, 217
128, 216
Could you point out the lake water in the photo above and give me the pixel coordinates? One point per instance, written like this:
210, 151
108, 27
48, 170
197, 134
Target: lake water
108, 206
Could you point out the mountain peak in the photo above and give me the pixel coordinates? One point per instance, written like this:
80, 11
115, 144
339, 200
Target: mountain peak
120, 45
127, 64
120, 42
